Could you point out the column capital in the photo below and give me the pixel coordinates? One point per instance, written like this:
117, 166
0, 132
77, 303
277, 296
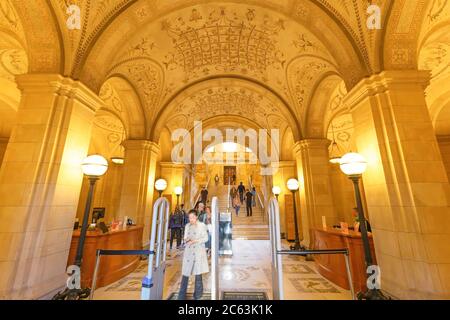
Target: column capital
167, 164
60, 85
319, 143
385, 81
133, 144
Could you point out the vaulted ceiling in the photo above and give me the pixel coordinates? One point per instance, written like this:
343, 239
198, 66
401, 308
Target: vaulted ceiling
147, 53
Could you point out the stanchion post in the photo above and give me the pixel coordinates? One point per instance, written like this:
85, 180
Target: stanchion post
349, 275
94, 278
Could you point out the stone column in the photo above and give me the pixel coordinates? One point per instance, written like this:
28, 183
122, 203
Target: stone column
138, 181
406, 186
40, 181
173, 174
315, 188
3, 144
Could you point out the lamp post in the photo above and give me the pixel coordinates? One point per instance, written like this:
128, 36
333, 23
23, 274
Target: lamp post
354, 165
293, 185
93, 168
178, 191
160, 185
276, 190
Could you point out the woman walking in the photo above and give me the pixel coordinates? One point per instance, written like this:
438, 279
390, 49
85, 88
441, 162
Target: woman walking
195, 261
236, 204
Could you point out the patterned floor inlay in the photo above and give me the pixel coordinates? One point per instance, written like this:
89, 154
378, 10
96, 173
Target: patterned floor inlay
248, 270
313, 285
130, 283
299, 268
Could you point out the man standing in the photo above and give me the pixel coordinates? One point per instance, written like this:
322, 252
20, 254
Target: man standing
204, 195
175, 226
248, 202
241, 190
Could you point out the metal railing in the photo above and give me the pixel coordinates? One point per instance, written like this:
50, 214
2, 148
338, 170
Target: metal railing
151, 289
101, 252
277, 266
256, 191
199, 193
215, 249
328, 251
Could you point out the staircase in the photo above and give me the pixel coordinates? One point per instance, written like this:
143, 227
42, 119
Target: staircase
244, 228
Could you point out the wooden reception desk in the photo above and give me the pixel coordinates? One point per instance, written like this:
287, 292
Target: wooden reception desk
332, 267
112, 268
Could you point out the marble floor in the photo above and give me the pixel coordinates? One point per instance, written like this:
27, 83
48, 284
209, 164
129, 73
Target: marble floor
248, 270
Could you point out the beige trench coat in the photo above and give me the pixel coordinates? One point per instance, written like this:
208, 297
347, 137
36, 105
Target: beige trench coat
195, 260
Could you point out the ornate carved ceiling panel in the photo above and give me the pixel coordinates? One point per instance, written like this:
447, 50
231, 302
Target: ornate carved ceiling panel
352, 15
163, 47
121, 101
204, 41
303, 75
341, 130
95, 15
43, 44
13, 57
226, 98
402, 32
434, 54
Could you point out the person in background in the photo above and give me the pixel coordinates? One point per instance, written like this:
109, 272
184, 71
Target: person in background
185, 221
253, 197
216, 179
204, 195
195, 261
176, 225
233, 193
209, 227
201, 214
241, 190
356, 225
248, 202
236, 204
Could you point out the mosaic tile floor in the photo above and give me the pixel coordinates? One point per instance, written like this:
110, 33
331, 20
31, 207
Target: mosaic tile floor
248, 270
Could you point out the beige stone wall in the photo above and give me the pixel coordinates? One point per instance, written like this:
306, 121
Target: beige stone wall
406, 186
286, 171
107, 194
173, 174
343, 194
444, 146
3, 144
139, 172
40, 181
316, 198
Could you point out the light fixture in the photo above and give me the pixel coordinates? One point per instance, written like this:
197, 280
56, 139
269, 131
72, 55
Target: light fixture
335, 151
178, 190
120, 159
353, 164
160, 185
117, 160
293, 184
94, 166
276, 190
229, 147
